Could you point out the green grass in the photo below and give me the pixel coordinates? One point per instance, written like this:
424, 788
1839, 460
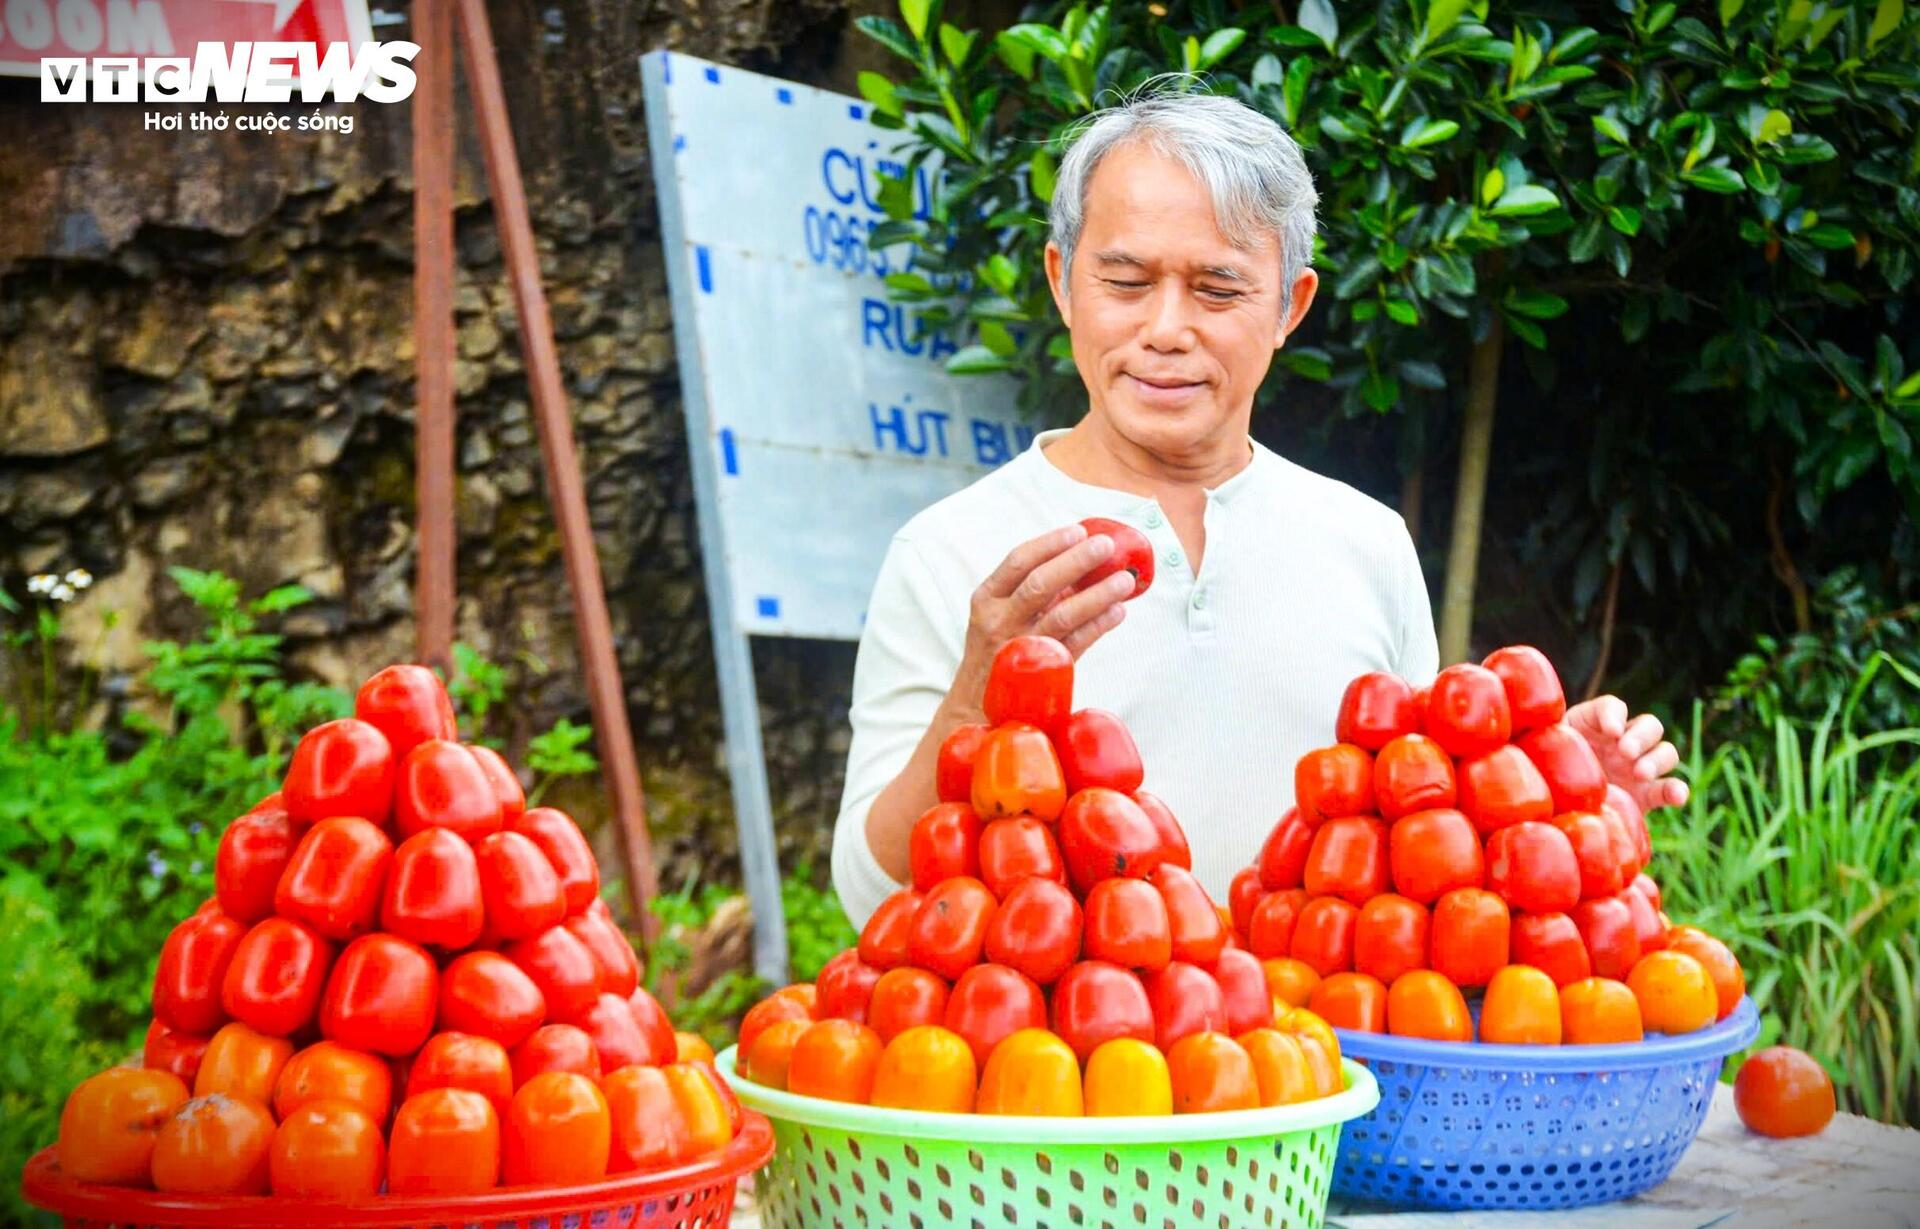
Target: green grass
1805, 858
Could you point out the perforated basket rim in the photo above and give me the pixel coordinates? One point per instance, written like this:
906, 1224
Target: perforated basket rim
1361, 1094
47, 1186
1734, 1033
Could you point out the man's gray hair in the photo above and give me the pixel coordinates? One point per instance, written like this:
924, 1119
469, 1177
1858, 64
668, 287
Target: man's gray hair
1252, 169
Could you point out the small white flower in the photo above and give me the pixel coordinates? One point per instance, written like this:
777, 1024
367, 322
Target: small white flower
79, 578
43, 583
61, 592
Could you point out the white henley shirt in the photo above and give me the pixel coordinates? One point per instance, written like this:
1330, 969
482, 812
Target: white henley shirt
1225, 678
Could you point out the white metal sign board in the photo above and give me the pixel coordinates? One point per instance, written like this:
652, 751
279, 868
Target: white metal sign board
829, 421
820, 418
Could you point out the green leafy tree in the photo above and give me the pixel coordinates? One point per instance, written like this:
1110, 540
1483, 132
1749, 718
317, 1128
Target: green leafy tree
1733, 197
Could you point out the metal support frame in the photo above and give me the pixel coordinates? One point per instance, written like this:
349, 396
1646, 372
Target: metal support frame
434, 21
433, 338
732, 650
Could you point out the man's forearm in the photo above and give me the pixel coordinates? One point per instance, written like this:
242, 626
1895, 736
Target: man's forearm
890, 820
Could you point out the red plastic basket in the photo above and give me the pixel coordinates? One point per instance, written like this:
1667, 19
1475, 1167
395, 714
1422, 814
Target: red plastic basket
697, 1196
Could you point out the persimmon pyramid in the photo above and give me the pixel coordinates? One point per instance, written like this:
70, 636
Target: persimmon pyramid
1053, 954
398, 939
1464, 837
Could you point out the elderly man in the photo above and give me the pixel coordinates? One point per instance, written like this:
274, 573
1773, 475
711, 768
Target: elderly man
1182, 226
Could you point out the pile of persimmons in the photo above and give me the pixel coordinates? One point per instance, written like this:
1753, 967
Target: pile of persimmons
406, 983
1464, 838
1053, 955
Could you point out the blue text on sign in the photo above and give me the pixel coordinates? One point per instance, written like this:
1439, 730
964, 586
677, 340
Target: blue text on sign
890, 327
900, 429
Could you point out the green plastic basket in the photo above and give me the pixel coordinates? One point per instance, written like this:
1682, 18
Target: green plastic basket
838, 1166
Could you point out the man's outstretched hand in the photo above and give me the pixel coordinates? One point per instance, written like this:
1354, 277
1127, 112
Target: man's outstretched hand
1635, 753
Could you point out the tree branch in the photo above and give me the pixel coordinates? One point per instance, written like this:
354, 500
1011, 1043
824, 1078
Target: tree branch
1782, 558
1607, 622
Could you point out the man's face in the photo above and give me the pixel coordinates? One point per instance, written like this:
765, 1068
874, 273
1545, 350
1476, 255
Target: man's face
1173, 326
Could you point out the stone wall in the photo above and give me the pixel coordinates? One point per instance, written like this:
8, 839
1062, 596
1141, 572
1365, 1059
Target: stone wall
205, 360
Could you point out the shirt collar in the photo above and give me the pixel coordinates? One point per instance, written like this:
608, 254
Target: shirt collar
1110, 501
1101, 500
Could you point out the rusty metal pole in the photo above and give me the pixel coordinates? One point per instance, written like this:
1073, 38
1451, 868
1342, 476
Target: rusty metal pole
433, 333
564, 487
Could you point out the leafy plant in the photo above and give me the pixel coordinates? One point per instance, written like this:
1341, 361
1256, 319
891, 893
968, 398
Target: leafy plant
817, 926
715, 1009
1811, 672
560, 752
1798, 849
477, 687
126, 843
817, 929
47, 1052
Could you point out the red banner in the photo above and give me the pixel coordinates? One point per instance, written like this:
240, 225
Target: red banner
34, 29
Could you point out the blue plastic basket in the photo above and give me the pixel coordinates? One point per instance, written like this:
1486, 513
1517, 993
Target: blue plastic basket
1470, 1125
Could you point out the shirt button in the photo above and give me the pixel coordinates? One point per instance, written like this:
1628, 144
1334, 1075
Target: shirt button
1199, 599
1173, 558
1153, 519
